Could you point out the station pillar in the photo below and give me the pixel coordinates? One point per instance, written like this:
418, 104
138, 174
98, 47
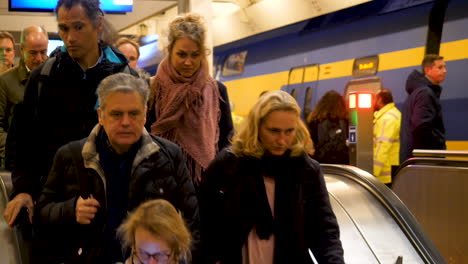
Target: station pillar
360, 96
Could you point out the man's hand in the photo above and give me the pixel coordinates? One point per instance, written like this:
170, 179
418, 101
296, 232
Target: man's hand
14, 207
86, 210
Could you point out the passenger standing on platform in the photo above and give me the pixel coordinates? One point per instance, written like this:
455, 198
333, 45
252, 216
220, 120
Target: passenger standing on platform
60, 98
422, 124
190, 108
94, 182
34, 41
264, 200
387, 121
7, 51
155, 230
328, 127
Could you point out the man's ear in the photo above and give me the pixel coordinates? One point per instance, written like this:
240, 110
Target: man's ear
22, 51
100, 23
426, 69
99, 113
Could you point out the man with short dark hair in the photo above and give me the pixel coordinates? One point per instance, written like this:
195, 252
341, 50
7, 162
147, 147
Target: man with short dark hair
94, 182
34, 41
387, 120
60, 98
422, 124
7, 51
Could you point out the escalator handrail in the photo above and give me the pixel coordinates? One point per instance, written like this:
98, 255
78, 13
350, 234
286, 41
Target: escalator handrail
431, 162
405, 219
439, 153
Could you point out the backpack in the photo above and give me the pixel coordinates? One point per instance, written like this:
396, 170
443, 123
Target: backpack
331, 146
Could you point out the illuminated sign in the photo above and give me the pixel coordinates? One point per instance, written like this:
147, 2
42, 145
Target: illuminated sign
360, 100
352, 101
365, 66
364, 100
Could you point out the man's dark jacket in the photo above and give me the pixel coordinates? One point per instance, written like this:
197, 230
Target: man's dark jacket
65, 110
422, 124
231, 198
158, 172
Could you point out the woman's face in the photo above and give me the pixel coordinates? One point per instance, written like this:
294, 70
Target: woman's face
277, 131
186, 57
150, 249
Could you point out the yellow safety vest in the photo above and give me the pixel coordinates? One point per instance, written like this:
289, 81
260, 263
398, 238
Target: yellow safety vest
386, 141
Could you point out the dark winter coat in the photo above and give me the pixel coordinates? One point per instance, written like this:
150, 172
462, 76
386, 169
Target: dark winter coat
230, 207
158, 172
329, 137
65, 110
422, 125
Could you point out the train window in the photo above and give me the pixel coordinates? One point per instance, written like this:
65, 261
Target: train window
294, 93
234, 64
307, 102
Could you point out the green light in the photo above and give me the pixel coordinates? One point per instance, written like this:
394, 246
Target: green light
353, 117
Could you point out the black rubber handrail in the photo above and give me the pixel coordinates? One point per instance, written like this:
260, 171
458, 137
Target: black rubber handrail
401, 214
439, 153
431, 162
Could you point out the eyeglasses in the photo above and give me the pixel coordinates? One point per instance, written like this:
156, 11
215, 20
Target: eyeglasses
159, 257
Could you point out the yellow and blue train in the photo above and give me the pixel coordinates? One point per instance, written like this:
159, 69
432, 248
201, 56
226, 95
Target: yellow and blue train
312, 57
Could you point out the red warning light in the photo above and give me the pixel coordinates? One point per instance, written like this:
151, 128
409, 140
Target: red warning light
365, 100
352, 101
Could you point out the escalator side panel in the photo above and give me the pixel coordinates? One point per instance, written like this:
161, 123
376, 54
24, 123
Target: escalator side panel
437, 197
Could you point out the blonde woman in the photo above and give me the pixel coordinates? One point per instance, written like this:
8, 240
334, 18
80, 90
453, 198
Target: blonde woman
265, 200
190, 108
156, 233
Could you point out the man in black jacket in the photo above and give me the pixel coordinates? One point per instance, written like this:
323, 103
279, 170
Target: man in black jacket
95, 182
60, 100
422, 124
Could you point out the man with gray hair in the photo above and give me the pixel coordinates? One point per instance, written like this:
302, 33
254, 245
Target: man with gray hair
34, 41
94, 182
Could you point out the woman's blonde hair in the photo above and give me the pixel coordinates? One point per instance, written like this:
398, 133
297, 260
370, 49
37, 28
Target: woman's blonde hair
163, 221
188, 25
246, 140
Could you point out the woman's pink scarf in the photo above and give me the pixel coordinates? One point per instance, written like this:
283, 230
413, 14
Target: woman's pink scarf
187, 113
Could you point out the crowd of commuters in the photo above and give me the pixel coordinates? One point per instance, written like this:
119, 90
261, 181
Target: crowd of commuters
121, 167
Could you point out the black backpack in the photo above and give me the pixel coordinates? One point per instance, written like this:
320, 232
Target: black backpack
331, 146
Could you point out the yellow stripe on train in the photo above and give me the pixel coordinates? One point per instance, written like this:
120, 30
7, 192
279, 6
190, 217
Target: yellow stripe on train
244, 92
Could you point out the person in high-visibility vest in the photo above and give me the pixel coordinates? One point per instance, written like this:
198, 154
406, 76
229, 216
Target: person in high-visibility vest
387, 120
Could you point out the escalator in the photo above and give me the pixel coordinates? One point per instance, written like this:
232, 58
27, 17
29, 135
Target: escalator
376, 227
9, 247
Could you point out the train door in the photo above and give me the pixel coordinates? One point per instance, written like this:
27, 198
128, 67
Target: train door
302, 85
360, 94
